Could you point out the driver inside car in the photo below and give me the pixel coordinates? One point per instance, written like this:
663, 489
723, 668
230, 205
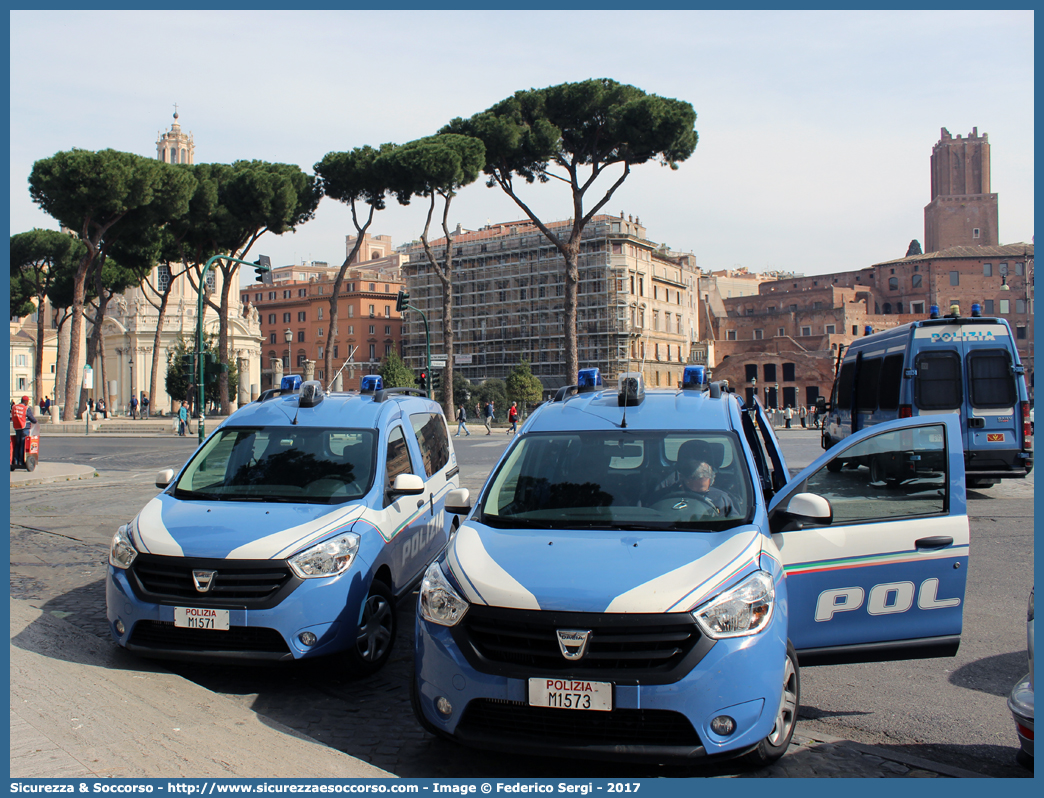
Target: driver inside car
697, 478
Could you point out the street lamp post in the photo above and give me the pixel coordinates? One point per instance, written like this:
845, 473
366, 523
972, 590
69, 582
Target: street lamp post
288, 336
261, 267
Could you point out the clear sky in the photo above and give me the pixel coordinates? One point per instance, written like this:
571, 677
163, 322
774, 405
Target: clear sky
815, 127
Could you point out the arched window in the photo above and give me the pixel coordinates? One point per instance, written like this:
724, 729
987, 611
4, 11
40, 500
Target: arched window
898, 307
915, 281
173, 155
893, 283
887, 308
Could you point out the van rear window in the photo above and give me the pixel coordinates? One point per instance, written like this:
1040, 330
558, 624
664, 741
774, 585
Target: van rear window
866, 383
844, 385
938, 384
891, 381
990, 380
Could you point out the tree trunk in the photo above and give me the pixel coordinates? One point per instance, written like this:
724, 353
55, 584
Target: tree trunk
447, 315
572, 290
229, 276
154, 376
328, 361
62, 359
41, 305
72, 373
96, 341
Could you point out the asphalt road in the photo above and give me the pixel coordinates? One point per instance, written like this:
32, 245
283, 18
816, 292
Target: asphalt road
944, 710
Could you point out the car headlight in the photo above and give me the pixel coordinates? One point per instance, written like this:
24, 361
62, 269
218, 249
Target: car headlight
741, 610
329, 558
439, 602
122, 551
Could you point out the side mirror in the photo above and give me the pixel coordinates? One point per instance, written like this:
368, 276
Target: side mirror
164, 477
802, 509
406, 485
458, 501
821, 404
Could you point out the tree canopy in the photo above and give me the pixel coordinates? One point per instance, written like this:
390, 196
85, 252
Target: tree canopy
434, 167
572, 133
93, 194
395, 373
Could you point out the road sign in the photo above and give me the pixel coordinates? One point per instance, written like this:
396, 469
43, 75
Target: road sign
461, 359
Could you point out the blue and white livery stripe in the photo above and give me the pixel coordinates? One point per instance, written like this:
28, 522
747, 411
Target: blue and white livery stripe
674, 591
481, 578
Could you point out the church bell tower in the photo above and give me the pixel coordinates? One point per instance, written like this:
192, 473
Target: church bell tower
175, 146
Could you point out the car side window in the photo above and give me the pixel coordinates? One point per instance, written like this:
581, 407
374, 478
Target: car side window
398, 460
892, 475
433, 440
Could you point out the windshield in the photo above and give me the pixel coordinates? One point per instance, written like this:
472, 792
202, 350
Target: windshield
621, 480
281, 464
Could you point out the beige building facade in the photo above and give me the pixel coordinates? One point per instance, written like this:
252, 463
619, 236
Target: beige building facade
637, 303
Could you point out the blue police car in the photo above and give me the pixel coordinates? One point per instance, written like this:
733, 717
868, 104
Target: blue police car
640, 577
290, 533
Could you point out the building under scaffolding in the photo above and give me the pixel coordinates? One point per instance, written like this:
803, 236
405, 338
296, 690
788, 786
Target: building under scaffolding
637, 302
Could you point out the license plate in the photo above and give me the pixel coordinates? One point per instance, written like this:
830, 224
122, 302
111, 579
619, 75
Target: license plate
995, 437
200, 618
571, 694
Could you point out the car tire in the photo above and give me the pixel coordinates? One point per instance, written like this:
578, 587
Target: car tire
775, 745
375, 636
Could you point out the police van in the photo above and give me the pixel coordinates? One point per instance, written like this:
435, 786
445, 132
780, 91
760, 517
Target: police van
965, 366
640, 576
290, 533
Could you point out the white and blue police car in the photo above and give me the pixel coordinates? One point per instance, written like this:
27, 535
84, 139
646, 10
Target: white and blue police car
291, 532
640, 576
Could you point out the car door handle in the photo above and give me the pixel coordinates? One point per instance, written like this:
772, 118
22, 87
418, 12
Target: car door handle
420, 502
934, 542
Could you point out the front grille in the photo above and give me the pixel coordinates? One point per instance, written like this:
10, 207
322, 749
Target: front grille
652, 649
631, 727
254, 584
163, 635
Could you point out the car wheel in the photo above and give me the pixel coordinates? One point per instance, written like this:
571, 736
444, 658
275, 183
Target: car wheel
375, 636
775, 745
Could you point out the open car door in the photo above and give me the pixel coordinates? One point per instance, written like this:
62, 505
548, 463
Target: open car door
884, 578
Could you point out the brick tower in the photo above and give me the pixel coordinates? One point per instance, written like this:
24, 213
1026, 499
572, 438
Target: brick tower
962, 212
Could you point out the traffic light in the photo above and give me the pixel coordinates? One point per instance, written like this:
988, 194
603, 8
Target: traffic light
401, 300
435, 381
188, 367
263, 270
212, 369
423, 380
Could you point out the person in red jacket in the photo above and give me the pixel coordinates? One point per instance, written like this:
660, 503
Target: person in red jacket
21, 417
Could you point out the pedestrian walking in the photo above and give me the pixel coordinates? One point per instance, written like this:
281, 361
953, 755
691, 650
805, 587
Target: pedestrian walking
144, 405
489, 418
21, 417
803, 412
90, 407
182, 419
133, 405
462, 417
513, 419
788, 414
